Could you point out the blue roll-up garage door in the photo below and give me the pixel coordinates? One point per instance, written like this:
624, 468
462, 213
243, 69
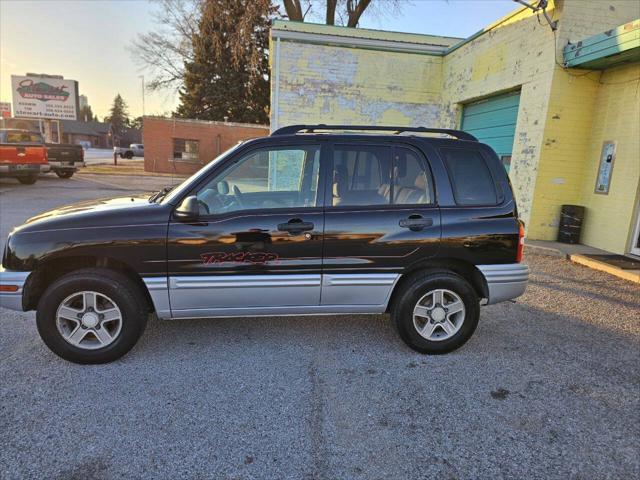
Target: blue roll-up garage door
493, 121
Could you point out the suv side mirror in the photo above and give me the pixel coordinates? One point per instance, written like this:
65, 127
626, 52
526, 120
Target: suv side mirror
189, 209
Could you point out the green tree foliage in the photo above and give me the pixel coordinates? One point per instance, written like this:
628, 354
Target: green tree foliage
86, 114
228, 76
136, 123
118, 116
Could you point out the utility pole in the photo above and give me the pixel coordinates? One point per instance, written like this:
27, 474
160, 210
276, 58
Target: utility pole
141, 77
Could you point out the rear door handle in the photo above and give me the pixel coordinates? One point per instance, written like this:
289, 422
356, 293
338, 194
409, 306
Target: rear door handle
415, 223
295, 226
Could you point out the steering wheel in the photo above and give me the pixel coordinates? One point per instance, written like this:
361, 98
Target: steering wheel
238, 195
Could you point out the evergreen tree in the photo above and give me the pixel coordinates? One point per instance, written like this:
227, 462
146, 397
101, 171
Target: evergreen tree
86, 114
118, 116
229, 73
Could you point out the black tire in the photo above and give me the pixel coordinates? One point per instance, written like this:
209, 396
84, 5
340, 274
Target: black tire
128, 155
65, 173
28, 179
125, 294
413, 289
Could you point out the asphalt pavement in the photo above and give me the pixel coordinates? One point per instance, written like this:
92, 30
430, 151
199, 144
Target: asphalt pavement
548, 387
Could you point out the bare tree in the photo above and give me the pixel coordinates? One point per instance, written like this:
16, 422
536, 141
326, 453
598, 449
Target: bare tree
346, 12
163, 52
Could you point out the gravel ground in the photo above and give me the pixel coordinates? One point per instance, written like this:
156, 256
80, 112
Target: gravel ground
547, 388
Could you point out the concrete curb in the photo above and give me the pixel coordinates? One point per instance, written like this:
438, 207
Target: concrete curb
630, 275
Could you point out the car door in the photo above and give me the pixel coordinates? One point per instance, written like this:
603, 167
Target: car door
380, 218
256, 247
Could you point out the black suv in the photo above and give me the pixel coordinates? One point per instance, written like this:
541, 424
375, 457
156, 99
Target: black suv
314, 219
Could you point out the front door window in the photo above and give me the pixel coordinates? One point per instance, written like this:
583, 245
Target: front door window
266, 178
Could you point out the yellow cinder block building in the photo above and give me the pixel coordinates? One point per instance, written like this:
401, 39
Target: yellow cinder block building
560, 106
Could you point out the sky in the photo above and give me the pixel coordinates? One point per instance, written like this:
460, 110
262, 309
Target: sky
87, 41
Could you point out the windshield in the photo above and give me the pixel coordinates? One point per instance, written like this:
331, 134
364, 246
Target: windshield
186, 185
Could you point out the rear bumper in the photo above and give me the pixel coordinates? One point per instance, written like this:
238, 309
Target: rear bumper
13, 281
505, 281
24, 169
55, 165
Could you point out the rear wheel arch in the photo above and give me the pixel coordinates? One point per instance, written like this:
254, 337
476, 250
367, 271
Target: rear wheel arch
51, 270
466, 270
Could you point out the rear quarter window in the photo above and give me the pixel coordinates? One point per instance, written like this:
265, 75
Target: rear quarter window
471, 179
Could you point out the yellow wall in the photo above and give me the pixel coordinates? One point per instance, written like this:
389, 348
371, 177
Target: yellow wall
570, 113
515, 53
336, 84
610, 218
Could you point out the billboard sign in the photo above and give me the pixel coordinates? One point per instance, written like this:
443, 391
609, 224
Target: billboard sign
44, 97
5, 110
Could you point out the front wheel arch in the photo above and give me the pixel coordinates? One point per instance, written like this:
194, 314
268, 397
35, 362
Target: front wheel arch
51, 270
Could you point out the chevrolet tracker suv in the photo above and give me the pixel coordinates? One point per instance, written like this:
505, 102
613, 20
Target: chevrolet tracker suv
314, 219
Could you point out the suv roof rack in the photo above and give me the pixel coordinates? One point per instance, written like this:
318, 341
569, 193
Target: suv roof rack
292, 129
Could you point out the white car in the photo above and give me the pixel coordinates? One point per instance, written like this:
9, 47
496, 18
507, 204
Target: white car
133, 150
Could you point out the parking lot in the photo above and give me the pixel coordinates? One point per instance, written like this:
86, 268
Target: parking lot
548, 387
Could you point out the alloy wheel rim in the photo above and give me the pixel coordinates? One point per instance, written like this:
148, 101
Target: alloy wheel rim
438, 315
89, 320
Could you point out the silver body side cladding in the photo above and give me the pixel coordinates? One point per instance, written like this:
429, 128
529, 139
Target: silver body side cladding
12, 300
159, 291
358, 289
505, 281
265, 295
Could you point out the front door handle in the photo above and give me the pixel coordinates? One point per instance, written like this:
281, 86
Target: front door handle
415, 223
295, 226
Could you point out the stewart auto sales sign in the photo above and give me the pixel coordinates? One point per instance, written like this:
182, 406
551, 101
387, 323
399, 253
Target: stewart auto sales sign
44, 97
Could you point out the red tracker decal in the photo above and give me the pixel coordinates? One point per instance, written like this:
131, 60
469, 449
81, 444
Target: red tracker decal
239, 257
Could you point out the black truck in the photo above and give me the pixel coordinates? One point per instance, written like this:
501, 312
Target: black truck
314, 219
64, 158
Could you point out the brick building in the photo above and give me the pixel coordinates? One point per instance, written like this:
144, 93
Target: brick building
561, 108
173, 145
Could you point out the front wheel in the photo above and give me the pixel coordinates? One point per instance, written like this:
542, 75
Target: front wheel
91, 316
28, 179
65, 173
436, 312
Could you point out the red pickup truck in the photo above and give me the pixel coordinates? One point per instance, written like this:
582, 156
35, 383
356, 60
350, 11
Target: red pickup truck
23, 155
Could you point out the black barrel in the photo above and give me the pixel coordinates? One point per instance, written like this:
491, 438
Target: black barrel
571, 218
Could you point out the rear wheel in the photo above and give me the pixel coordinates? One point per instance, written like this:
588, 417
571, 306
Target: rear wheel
436, 312
65, 173
91, 316
28, 179
128, 155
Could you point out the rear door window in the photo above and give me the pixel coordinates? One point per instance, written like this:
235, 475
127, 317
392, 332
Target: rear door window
360, 173
470, 177
412, 183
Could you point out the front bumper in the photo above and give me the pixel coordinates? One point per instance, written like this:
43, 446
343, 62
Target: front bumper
24, 169
11, 288
505, 282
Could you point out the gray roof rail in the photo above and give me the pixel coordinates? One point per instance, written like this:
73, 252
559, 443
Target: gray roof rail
293, 129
